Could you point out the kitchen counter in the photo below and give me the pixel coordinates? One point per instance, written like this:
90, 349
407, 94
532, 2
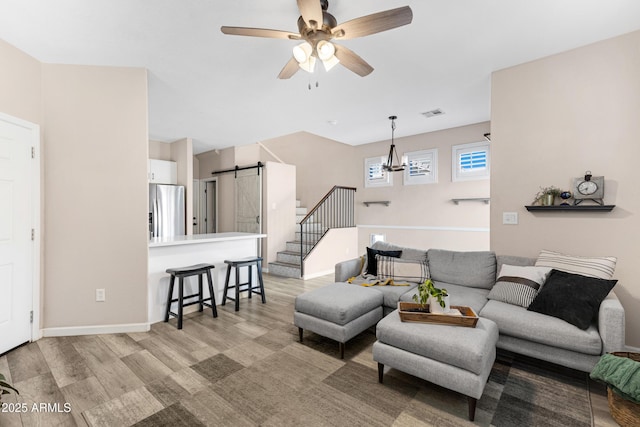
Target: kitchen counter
155, 242
182, 251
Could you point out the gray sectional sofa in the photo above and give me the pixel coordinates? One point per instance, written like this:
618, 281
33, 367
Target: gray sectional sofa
469, 277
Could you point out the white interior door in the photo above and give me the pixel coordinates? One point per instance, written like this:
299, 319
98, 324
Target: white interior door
249, 201
17, 230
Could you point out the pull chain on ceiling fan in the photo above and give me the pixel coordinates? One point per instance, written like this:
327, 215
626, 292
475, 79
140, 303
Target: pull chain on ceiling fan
317, 28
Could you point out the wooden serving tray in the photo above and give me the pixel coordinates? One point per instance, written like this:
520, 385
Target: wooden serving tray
469, 317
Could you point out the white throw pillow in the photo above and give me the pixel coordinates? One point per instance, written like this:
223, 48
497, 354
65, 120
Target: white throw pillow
600, 267
518, 285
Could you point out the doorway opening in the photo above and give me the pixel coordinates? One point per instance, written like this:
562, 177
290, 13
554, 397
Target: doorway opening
206, 213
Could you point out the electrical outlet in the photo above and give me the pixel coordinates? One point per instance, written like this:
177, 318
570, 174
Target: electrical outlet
100, 295
510, 218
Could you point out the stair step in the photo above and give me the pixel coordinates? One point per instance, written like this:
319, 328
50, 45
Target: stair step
284, 269
309, 237
298, 203
295, 246
301, 211
289, 257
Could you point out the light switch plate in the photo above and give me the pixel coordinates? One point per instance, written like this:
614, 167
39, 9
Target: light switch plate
510, 218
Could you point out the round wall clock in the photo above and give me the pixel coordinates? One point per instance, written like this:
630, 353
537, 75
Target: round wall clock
588, 187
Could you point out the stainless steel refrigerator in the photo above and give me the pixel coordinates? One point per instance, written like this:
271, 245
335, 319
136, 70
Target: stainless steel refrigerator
166, 210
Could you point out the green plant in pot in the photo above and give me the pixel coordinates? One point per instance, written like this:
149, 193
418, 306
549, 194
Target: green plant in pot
5, 387
547, 195
427, 291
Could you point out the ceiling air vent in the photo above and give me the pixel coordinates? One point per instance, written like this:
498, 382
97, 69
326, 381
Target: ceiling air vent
432, 113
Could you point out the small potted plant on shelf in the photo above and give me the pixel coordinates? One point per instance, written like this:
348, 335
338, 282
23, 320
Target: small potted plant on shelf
5, 387
547, 196
436, 298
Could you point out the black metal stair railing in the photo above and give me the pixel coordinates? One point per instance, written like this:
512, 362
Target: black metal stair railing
335, 210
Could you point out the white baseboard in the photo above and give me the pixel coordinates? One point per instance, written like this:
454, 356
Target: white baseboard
632, 349
95, 330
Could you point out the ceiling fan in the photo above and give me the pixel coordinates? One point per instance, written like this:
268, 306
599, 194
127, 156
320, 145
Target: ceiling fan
318, 28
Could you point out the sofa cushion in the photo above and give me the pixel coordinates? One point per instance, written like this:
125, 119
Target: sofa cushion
407, 253
391, 294
475, 298
572, 297
402, 270
473, 269
518, 285
371, 264
516, 321
601, 267
465, 348
514, 260
339, 302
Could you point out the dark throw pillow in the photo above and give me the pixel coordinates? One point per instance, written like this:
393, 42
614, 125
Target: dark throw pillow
372, 264
572, 297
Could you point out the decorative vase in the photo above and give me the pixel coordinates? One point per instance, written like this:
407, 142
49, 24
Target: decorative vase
565, 196
548, 199
435, 307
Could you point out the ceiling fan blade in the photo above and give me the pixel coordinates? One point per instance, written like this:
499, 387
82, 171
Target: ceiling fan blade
260, 32
289, 69
311, 11
352, 61
374, 23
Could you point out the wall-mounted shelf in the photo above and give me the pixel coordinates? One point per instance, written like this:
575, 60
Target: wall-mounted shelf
571, 208
382, 202
484, 200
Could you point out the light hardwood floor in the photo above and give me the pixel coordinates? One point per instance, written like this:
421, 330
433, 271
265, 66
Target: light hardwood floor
243, 368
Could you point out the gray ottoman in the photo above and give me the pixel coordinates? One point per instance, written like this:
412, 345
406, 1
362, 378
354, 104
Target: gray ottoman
338, 311
454, 357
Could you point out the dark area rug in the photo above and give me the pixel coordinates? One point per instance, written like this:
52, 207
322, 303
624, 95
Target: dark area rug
537, 393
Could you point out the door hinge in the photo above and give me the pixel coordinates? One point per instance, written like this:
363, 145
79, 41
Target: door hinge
31, 317
33, 152
33, 234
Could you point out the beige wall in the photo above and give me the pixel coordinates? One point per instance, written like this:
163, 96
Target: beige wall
20, 84
159, 150
279, 208
339, 244
182, 154
423, 216
419, 215
321, 163
94, 143
552, 119
96, 150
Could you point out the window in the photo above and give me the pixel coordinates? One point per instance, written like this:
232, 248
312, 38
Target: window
374, 175
470, 162
422, 167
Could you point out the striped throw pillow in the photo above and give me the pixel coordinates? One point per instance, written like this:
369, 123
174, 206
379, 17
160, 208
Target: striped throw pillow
600, 267
402, 270
518, 285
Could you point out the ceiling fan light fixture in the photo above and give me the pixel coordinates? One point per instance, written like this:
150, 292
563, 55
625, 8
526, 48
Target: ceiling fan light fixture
302, 52
330, 63
326, 50
309, 65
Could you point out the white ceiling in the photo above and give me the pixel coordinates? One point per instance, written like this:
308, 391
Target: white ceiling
222, 90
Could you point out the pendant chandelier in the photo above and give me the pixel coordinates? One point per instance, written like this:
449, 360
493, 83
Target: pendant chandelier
388, 164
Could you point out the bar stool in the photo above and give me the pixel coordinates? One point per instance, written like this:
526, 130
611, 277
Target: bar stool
237, 264
181, 273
